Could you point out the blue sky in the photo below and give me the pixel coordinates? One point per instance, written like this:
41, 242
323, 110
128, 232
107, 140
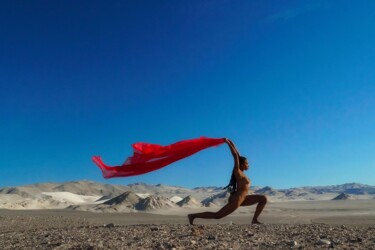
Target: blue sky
292, 83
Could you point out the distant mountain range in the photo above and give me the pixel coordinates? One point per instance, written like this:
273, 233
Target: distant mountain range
99, 197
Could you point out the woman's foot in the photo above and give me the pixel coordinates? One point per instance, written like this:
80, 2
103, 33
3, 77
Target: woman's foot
191, 219
256, 222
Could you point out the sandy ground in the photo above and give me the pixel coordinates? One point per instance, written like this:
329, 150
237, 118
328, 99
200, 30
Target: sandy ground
303, 225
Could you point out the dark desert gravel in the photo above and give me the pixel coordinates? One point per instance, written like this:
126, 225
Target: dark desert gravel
62, 232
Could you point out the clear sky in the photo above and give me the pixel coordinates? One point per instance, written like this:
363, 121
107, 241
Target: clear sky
292, 83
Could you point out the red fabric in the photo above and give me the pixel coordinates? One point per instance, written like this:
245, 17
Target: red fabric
150, 157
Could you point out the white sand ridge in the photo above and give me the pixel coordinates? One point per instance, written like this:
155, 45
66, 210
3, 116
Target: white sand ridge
69, 197
175, 199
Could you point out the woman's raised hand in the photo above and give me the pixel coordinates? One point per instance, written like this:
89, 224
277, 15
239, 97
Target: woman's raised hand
232, 146
228, 141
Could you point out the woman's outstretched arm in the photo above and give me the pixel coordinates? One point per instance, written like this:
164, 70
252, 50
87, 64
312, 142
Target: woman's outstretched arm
234, 146
235, 153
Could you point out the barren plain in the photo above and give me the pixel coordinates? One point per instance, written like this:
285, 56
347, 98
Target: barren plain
345, 224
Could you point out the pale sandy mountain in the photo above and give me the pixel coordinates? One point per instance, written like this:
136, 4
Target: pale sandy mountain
69, 198
127, 199
19, 203
106, 197
91, 188
154, 202
76, 187
28, 190
144, 195
45, 200
159, 190
123, 203
347, 188
82, 193
269, 191
208, 189
175, 199
358, 189
20, 191
189, 202
216, 200
295, 192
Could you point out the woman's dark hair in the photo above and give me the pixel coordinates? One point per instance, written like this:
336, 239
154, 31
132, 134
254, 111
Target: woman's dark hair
232, 186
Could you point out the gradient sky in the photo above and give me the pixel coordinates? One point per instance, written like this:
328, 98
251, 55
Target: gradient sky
292, 83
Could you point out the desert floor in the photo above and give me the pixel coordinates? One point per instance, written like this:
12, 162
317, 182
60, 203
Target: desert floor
346, 224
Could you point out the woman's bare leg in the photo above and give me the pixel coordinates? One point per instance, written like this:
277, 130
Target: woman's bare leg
224, 211
253, 199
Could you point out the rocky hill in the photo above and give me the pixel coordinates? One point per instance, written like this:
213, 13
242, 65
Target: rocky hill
189, 202
216, 200
154, 202
342, 196
127, 199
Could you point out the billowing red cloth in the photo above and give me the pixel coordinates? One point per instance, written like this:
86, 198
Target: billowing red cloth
150, 157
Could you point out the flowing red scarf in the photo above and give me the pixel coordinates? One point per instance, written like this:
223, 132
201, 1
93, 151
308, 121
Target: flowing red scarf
150, 157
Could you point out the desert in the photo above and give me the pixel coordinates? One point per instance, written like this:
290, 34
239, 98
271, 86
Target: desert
201, 124
89, 215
